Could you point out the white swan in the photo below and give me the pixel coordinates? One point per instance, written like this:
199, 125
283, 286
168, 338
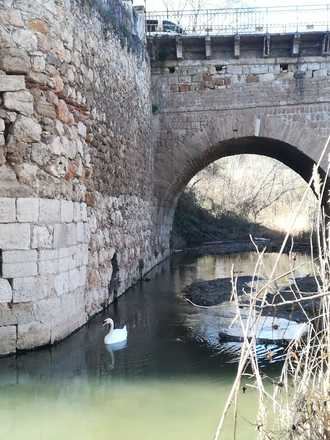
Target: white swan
117, 336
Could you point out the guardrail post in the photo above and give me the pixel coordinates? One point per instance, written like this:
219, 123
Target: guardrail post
326, 44
208, 47
237, 46
179, 48
266, 51
296, 45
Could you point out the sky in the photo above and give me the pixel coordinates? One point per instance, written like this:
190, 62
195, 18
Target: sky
153, 5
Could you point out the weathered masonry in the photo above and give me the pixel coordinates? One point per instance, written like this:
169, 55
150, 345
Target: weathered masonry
96, 144
220, 96
77, 211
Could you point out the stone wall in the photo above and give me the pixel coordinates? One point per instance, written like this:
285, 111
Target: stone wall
78, 222
210, 104
44, 256
208, 109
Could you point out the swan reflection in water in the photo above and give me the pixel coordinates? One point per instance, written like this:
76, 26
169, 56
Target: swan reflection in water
111, 348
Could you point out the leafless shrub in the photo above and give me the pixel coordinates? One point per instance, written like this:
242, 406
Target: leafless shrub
298, 405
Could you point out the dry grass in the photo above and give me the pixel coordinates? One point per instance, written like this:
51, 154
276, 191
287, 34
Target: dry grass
259, 189
298, 405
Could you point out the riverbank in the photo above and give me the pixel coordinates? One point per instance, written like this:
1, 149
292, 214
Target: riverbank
227, 247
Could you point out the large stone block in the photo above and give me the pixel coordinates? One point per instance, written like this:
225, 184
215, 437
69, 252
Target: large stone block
49, 266
66, 211
14, 61
34, 334
11, 17
7, 315
7, 210
12, 83
38, 25
82, 233
67, 325
10, 257
50, 211
62, 283
7, 340
32, 288
6, 293
28, 210
24, 312
15, 236
65, 235
18, 270
21, 102
79, 212
26, 39
48, 310
42, 237
26, 130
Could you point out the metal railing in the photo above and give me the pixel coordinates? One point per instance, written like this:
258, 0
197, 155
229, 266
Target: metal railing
302, 18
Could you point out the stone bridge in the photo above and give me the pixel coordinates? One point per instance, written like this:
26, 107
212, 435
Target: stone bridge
98, 139
216, 97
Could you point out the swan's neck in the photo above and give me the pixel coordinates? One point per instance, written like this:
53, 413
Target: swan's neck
111, 325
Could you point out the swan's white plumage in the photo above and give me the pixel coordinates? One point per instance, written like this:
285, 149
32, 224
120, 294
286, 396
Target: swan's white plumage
115, 336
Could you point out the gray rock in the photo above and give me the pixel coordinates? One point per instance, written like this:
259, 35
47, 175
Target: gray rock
7, 210
21, 102
26, 130
32, 335
28, 210
26, 39
15, 236
14, 61
12, 83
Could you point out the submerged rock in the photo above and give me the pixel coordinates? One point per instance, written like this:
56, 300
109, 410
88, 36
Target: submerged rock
215, 292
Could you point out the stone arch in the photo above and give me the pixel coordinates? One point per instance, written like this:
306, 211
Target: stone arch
296, 145
290, 156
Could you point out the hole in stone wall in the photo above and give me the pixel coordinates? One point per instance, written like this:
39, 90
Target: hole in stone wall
7, 131
141, 267
115, 281
284, 67
221, 68
171, 69
313, 73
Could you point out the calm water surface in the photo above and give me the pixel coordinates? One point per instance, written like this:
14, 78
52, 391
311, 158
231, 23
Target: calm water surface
170, 382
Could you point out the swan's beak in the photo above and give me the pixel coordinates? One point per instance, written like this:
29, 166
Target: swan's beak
105, 323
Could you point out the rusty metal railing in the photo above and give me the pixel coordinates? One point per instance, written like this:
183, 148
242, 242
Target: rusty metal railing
302, 18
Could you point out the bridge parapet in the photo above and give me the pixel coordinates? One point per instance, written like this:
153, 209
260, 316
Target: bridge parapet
232, 21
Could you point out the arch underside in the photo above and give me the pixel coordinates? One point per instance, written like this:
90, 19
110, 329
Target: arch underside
289, 155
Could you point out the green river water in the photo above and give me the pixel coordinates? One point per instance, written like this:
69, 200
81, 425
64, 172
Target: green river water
170, 382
